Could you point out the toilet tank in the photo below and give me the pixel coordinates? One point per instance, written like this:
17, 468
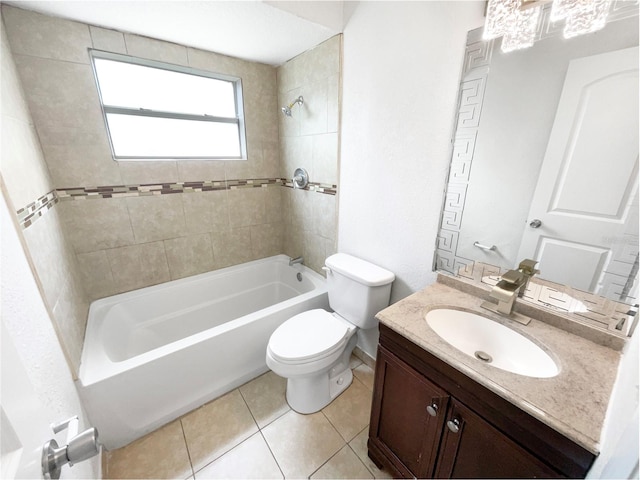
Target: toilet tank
357, 289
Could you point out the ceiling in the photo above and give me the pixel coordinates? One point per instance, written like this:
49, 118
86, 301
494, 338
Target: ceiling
269, 32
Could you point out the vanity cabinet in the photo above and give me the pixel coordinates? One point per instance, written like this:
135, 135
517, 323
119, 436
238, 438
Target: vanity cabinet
430, 421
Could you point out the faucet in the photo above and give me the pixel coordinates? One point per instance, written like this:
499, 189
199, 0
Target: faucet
512, 285
293, 261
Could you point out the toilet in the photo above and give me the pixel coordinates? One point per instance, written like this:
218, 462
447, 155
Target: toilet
312, 349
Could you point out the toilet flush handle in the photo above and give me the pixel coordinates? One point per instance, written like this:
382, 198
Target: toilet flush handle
326, 269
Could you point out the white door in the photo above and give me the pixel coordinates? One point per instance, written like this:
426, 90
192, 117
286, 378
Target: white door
589, 177
29, 353
25, 425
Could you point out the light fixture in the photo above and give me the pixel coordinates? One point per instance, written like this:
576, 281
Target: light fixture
517, 20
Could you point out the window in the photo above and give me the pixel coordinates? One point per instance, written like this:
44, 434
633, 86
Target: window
157, 111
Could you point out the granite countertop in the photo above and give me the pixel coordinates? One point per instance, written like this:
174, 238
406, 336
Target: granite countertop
574, 402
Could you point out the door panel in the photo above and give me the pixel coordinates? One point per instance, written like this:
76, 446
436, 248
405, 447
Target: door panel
589, 177
478, 450
401, 423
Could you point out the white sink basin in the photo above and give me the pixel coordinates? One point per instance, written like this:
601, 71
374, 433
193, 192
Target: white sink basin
491, 343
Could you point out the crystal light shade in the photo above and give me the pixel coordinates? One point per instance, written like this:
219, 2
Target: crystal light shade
582, 16
519, 26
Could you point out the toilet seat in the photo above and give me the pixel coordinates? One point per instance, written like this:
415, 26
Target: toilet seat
308, 337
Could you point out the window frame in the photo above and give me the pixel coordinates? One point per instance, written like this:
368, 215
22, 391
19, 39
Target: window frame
238, 101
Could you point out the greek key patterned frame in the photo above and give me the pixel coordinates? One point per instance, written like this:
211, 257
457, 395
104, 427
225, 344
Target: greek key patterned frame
475, 75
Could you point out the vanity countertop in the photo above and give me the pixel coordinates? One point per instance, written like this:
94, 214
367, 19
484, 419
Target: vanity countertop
573, 403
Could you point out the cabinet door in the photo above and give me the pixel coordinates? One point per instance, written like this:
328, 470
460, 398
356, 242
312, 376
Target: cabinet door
407, 416
472, 448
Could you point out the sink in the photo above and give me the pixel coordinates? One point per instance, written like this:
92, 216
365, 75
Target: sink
491, 343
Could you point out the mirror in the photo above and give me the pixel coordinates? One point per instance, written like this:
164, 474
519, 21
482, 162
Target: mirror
546, 140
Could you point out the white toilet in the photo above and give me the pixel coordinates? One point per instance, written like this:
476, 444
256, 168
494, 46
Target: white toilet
312, 349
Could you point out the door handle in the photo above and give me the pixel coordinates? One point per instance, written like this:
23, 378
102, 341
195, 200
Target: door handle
535, 223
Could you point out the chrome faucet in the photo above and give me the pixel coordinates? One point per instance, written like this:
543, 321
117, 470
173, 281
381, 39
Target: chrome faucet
293, 261
512, 285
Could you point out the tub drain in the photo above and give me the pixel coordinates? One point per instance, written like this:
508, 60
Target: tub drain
299, 276
484, 356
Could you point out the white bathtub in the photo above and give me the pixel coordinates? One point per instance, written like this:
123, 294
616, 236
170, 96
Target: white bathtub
154, 354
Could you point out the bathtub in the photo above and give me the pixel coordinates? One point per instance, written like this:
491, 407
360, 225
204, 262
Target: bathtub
156, 353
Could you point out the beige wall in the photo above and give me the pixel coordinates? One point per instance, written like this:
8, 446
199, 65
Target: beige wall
26, 177
309, 139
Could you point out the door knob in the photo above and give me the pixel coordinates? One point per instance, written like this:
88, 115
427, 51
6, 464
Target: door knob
433, 409
535, 223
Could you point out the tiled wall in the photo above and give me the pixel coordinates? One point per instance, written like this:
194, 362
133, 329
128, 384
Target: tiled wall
310, 139
26, 179
123, 242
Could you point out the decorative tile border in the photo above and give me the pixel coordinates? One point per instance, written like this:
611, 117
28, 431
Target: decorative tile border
33, 211
325, 188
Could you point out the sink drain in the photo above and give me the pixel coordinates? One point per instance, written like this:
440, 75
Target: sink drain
484, 356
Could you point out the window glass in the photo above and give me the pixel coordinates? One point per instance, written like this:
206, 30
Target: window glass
159, 111
138, 136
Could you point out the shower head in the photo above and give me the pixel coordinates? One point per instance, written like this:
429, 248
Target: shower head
287, 109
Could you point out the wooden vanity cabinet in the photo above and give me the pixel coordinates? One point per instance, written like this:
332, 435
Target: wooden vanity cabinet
430, 421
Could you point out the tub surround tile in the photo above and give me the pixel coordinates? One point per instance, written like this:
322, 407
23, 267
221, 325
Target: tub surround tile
61, 93
162, 454
251, 459
333, 103
96, 275
107, 40
344, 464
56, 38
156, 218
81, 165
24, 171
159, 50
265, 397
324, 158
136, 173
313, 116
190, 255
350, 412
70, 313
214, 62
192, 170
302, 443
93, 225
217, 427
247, 207
266, 240
206, 213
138, 266
231, 246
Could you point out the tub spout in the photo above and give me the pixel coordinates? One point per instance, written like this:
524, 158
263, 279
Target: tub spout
293, 261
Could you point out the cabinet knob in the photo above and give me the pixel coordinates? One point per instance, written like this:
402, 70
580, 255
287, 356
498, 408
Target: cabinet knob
454, 425
433, 409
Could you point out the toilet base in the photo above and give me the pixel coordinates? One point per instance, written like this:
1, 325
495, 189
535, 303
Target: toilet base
310, 394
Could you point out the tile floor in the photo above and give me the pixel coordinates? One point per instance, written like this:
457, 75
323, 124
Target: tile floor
252, 433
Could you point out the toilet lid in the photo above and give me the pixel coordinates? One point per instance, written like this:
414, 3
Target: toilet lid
308, 336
